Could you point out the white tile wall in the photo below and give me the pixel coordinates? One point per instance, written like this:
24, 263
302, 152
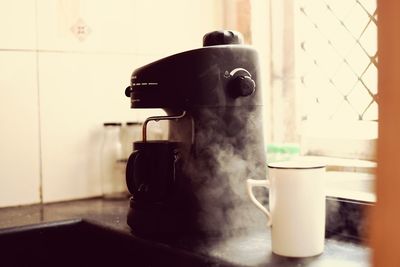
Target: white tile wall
78, 93
110, 24
19, 128
17, 24
80, 84
173, 26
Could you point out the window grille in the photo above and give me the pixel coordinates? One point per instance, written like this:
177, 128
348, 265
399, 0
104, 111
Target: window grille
336, 59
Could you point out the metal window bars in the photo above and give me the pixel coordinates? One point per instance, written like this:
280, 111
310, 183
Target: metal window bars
336, 59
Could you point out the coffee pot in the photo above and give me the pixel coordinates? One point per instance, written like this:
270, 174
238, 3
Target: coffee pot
194, 182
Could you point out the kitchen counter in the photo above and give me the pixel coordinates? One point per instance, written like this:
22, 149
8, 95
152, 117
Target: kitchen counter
251, 250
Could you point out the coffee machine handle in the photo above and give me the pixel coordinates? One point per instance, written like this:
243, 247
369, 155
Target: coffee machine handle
129, 174
176, 165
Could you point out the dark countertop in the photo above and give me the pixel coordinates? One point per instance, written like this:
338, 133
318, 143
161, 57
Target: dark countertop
250, 250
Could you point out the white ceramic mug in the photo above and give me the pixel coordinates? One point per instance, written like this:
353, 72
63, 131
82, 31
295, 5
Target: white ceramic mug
296, 207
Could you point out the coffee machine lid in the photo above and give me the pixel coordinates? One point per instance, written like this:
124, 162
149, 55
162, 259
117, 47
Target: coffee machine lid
222, 73
222, 38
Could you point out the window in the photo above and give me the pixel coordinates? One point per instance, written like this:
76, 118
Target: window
324, 76
320, 58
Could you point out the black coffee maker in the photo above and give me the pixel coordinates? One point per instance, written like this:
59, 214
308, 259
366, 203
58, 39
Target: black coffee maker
194, 182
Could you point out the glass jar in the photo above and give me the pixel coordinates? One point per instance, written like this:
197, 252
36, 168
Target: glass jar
132, 133
112, 163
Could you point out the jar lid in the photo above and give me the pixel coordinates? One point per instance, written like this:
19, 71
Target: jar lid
130, 123
112, 124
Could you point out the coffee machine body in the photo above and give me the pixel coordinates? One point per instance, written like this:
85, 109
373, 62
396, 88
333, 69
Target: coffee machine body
194, 182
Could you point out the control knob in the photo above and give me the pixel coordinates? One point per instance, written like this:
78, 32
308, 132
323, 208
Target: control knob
241, 86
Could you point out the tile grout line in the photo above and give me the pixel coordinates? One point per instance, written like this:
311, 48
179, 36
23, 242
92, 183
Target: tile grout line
39, 106
83, 52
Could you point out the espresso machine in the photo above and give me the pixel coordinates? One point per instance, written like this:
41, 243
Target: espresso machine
194, 182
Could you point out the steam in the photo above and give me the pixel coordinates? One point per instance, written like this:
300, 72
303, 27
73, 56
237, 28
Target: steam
345, 219
229, 150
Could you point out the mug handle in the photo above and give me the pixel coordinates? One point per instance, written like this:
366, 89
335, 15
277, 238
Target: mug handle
252, 183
